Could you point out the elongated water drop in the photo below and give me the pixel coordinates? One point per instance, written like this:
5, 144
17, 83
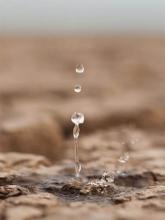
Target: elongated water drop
77, 118
80, 68
76, 131
76, 148
78, 168
77, 88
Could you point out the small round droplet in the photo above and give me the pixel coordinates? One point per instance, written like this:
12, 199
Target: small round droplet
80, 68
77, 88
77, 118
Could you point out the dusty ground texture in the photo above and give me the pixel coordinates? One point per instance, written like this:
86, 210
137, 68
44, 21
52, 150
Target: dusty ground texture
124, 103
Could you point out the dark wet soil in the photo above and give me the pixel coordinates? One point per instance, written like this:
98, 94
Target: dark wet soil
86, 189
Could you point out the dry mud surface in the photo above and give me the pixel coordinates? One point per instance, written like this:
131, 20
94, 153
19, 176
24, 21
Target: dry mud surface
124, 105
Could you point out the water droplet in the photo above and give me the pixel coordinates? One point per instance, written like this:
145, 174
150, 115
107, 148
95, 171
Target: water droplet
124, 158
80, 68
77, 88
76, 131
78, 169
77, 118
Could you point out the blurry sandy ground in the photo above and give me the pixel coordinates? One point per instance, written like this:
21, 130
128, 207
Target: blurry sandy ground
123, 85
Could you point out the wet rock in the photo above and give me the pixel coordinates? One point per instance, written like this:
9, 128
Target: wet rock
33, 193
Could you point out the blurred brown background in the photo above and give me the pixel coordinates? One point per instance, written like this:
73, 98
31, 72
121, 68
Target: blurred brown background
122, 48
123, 84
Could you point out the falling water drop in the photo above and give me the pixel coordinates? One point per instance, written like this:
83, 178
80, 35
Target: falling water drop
77, 168
76, 131
77, 88
80, 68
77, 118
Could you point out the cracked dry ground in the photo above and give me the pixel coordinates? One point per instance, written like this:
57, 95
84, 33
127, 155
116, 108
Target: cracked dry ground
124, 104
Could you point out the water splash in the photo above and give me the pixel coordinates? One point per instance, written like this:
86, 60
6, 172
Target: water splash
108, 176
77, 118
123, 159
